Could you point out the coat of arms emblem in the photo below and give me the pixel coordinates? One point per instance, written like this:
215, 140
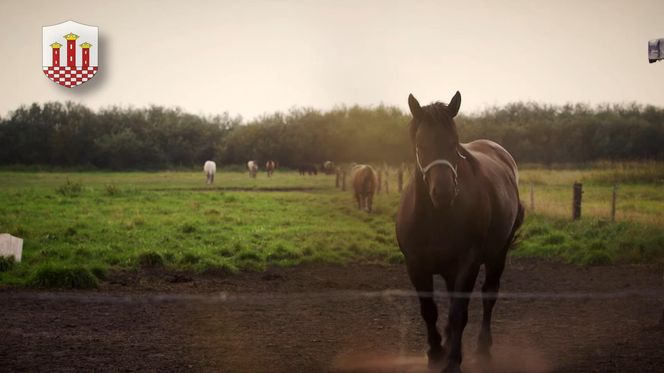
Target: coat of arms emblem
70, 53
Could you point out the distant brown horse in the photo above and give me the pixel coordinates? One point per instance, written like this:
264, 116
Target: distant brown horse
270, 166
461, 210
307, 169
365, 182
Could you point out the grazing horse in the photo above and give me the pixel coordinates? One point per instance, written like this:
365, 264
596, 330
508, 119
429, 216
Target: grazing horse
307, 169
209, 168
460, 211
270, 166
252, 166
365, 182
328, 168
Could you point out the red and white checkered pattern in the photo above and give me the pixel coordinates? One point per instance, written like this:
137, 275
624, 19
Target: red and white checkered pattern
70, 76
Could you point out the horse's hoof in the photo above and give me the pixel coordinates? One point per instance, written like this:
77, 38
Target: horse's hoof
435, 357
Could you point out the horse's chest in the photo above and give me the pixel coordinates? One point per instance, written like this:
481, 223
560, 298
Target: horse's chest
446, 243
446, 232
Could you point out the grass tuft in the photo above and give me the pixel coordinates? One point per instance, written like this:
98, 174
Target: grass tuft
150, 259
190, 258
63, 277
6, 263
70, 188
112, 190
99, 272
188, 228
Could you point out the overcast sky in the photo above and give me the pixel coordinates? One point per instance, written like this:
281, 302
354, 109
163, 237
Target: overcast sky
251, 57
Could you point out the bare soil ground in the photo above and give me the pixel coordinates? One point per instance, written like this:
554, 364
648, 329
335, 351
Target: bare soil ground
332, 318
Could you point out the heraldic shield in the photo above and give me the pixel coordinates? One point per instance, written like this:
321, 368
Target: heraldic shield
70, 53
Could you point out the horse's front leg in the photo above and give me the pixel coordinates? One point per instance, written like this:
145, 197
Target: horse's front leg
489, 296
458, 315
449, 283
423, 283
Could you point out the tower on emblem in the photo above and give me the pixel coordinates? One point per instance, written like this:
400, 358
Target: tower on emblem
79, 62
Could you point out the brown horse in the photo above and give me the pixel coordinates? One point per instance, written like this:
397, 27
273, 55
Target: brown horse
460, 211
307, 169
270, 166
365, 182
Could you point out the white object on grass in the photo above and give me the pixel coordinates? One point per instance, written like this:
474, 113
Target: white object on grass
11, 246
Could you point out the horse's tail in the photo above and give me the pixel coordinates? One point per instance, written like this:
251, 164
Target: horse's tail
513, 242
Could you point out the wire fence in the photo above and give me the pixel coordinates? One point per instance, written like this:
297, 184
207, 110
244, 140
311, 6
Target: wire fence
616, 202
565, 199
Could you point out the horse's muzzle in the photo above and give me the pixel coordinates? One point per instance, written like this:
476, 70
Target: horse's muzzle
441, 198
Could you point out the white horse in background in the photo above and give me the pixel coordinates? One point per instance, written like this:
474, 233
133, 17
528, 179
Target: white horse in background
210, 168
252, 166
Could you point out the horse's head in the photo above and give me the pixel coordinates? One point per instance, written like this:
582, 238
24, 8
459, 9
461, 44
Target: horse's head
436, 144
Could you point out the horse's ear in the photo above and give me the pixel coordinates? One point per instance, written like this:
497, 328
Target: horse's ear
414, 106
454, 105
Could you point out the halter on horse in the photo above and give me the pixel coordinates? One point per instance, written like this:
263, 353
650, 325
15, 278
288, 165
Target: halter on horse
436, 162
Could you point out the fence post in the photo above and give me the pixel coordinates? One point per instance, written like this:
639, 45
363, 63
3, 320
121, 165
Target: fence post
336, 181
343, 180
532, 196
400, 179
387, 180
613, 202
576, 201
379, 181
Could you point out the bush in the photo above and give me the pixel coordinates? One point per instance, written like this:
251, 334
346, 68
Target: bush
65, 277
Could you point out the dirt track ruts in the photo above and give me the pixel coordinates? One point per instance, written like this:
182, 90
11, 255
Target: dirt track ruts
151, 322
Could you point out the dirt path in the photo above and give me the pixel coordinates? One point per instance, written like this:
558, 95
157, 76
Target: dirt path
328, 318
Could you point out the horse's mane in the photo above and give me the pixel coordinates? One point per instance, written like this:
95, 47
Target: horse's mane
437, 111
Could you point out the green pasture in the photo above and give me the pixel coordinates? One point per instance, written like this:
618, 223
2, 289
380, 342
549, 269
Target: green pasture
79, 226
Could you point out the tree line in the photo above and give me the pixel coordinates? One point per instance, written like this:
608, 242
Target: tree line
70, 135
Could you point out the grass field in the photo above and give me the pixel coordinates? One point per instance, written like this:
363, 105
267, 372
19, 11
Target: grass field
79, 226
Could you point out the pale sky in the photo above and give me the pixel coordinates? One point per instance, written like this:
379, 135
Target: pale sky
252, 57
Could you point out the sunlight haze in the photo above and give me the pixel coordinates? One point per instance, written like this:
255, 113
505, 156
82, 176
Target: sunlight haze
253, 57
